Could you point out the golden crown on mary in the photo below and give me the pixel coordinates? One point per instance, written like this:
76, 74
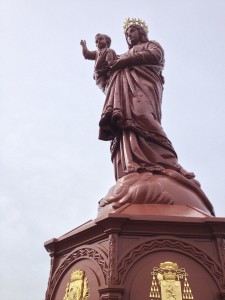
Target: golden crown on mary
128, 22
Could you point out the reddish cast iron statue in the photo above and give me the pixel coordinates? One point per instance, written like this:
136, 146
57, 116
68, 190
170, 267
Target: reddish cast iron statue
145, 162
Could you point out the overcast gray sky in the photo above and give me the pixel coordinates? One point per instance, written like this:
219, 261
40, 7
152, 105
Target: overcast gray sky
53, 169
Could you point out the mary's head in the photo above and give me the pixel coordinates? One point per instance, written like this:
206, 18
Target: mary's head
136, 34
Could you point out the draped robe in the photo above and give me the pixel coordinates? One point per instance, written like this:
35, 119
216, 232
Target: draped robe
131, 116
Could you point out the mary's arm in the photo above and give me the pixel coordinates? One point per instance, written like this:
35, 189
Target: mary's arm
152, 54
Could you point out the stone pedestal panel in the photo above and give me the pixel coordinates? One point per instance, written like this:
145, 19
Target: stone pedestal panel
136, 253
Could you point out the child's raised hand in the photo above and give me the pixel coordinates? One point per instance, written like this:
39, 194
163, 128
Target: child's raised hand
83, 43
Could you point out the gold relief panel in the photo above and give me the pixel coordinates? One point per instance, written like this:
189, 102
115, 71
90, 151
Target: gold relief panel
169, 282
77, 288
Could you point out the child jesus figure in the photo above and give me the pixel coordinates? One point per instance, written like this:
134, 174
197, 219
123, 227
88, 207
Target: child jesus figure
103, 57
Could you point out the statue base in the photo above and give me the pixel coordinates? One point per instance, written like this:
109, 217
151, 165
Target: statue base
141, 251
169, 187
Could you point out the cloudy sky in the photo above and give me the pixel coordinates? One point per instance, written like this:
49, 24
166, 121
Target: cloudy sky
53, 169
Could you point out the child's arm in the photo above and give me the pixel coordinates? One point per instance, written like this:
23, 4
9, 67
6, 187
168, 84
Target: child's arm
111, 56
86, 53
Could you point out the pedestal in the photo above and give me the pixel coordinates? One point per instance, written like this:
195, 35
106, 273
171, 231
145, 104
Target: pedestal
140, 252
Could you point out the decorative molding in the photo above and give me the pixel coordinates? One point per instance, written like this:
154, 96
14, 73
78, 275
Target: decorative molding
111, 293
221, 247
50, 276
80, 253
112, 270
143, 249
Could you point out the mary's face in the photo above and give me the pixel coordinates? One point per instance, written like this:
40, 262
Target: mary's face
132, 36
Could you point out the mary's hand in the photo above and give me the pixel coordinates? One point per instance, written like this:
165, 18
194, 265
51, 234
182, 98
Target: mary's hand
120, 63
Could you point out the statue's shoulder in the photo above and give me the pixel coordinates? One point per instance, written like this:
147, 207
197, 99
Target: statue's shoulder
154, 44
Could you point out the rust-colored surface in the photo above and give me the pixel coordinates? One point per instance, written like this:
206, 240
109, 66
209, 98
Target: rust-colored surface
145, 163
146, 188
156, 214
131, 115
118, 251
